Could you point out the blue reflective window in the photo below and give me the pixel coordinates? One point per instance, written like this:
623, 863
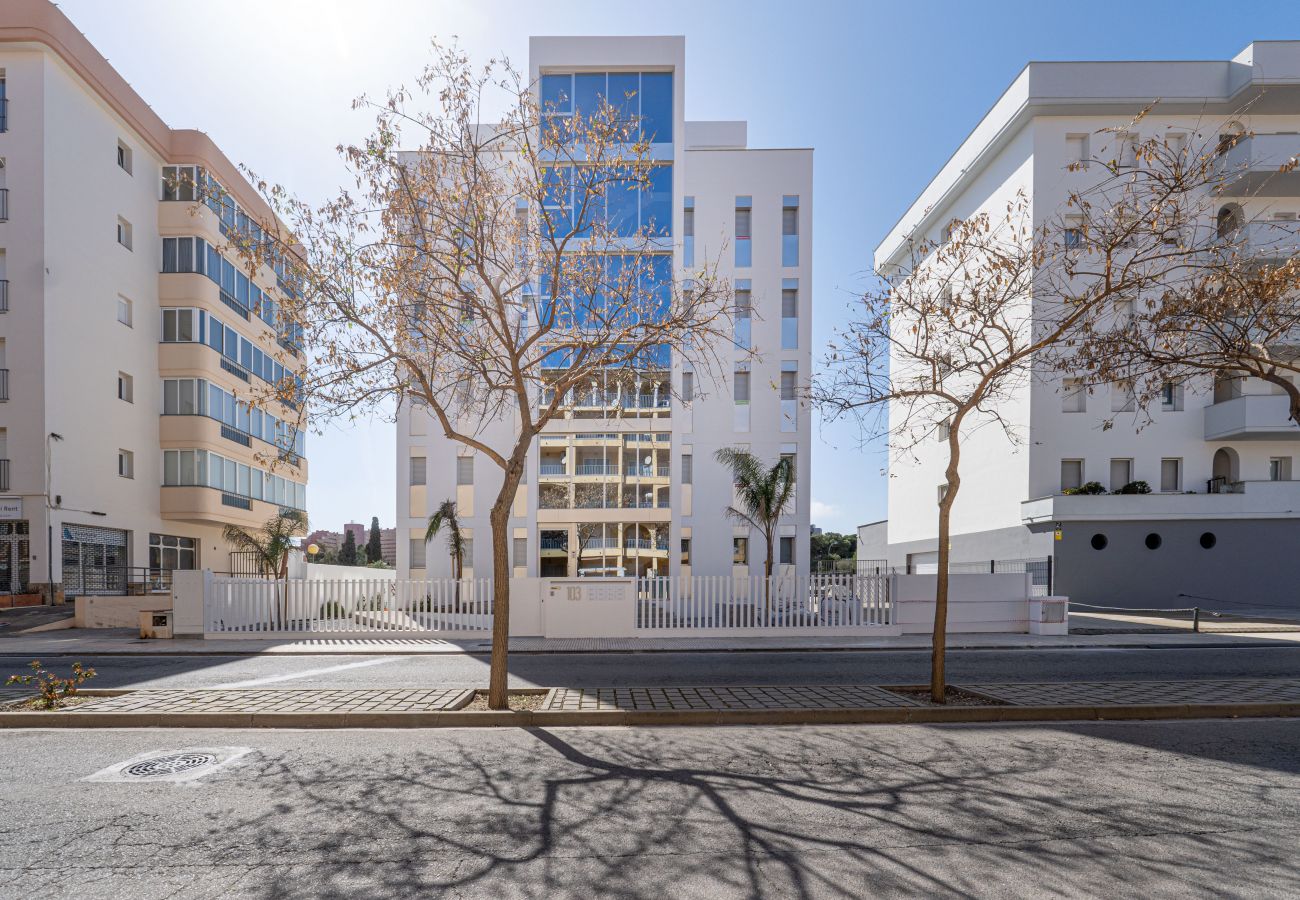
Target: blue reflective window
217, 335
657, 106
214, 264
557, 93
657, 202
588, 90
622, 199
624, 94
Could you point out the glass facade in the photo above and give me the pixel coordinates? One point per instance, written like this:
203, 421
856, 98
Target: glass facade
643, 97
199, 397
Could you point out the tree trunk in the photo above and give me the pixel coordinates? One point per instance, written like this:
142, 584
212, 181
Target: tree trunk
499, 518
939, 637
767, 576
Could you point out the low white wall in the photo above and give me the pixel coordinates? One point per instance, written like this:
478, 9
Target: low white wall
321, 572
589, 607
976, 603
116, 612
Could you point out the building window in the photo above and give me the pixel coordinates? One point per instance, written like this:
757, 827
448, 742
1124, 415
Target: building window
464, 470
124, 157
1171, 396
744, 228
419, 470
789, 313
168, 553
125, 387
789, 384
686, 552
688, 468
1122, 397
790, 303
1073, 232
1279, 468
1171, 475
740, 551
124, 311
744, 312
126, 463
520, 552
688, 233
787, 551
417, 553
179, 182
1071, 474
790, 231
688, 387
467, 551
742, 387
124, 233
1121, 473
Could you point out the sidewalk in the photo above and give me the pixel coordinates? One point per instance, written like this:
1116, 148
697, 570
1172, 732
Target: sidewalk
126, 642
788, 705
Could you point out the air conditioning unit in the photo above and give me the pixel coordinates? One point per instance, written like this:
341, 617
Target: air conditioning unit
1049, 615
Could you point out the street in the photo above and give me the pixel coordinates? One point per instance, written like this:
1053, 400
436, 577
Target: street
658, 669
1124, 809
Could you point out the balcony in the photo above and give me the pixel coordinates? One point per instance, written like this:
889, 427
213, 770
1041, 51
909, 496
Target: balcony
1252, 166
635, 471
1278, 239
4, 474
550, 470
597, 468
1251, 417
4, 295
1247, 500
212, 506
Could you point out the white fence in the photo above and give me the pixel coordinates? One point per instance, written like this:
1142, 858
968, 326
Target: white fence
826, 602
347, 606
832, 603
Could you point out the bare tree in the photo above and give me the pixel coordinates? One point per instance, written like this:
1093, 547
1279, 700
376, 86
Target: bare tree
1240, 319
490, 270
939, 348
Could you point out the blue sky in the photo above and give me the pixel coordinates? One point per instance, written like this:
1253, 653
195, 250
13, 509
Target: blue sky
883, 91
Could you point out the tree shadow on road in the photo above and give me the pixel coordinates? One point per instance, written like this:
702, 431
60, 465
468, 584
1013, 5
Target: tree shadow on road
742, 812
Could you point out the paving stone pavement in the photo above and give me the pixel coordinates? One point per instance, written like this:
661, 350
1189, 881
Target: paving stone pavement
1128, 693
716, 698
269, 700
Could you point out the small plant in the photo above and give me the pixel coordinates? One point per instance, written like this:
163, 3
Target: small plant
1135, 487
1090, 488
53, 689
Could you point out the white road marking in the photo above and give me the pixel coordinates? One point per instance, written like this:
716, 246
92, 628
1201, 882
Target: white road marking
254, 682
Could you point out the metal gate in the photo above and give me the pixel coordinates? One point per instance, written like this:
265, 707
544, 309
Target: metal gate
94, 560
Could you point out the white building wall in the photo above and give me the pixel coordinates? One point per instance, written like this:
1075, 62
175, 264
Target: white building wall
714, 177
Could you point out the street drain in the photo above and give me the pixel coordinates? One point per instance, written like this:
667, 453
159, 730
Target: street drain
183, 764
169, 765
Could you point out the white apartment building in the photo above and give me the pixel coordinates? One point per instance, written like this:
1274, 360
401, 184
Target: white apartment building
1223, 520
130, 337
627, 483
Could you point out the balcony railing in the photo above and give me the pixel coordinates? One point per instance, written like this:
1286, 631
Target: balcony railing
234, 434
236, 501
552, 469
644, 544
4, 204
233, 304
647, 471
4, 114
597, 468
4, 474
555, 543
4, 384
237, 371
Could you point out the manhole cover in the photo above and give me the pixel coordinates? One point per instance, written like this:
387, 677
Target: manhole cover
169, 765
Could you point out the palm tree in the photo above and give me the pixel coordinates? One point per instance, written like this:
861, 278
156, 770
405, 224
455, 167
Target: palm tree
271, 543
446, 515
763, 494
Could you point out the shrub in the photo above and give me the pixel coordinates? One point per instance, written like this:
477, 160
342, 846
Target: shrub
1090, 488
1135, 487
333, 610
53, 689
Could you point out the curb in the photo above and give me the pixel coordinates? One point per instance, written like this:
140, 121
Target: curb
1250, 643
556, 718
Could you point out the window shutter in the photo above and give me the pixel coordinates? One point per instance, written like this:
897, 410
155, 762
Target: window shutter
788, 385
742, 387
743, 218
789, 304
464, 470
419, 470
688, 386
521, 552
417, 553
688, 468
790, 220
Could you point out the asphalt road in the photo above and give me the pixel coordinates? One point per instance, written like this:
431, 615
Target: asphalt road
1107, 809
653, 669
